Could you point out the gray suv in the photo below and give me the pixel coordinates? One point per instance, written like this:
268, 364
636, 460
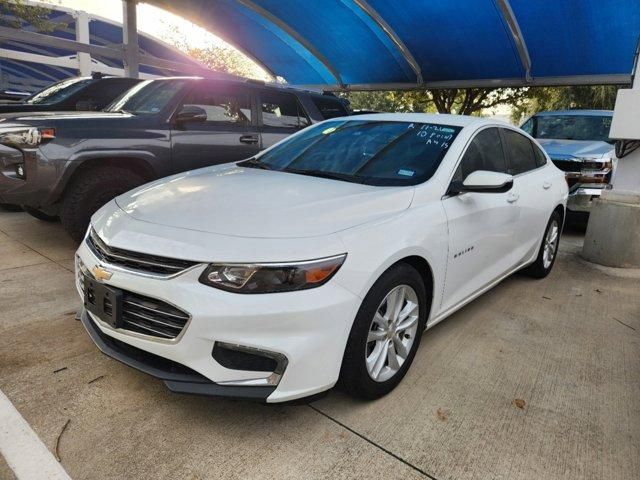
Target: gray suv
70, 164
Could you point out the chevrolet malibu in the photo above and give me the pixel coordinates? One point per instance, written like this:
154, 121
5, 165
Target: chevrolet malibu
321, 260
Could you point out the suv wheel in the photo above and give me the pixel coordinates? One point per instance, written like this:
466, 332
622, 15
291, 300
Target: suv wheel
88, 192
385, 334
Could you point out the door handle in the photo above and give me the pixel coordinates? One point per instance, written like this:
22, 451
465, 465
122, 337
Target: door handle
250, 139
546, 185
513, 197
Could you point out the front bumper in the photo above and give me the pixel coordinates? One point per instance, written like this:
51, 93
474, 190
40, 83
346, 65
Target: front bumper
581, 197
310, 328
36, 189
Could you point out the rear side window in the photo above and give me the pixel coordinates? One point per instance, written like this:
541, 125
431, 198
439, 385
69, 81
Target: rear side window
223, 107
485, 152
520, 150
282, 110
330, 107
540, 158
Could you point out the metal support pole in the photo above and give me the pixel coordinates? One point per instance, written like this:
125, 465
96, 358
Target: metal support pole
82, 36
130, 38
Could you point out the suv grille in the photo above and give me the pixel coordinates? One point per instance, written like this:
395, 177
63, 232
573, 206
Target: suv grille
136, 261
568, 165
152, 317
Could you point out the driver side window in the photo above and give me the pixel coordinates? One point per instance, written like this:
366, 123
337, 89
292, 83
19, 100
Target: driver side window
484, 153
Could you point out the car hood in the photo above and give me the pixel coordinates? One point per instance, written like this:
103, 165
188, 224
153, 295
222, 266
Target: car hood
245, 202
9, 119
560, 149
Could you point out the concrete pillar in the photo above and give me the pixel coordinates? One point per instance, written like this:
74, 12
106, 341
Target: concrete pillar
130, 38
613, 232
82, 35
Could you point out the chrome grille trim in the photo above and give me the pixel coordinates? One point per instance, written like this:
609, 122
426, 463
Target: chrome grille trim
144, 314
136, 261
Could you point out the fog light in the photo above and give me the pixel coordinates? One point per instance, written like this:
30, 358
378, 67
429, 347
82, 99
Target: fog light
20, 170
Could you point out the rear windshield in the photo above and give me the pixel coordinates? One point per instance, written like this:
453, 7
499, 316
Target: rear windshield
58, 91
571, 127
330, 107
369, 152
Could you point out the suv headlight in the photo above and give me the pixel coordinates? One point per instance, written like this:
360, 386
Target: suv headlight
26, 137
271, 277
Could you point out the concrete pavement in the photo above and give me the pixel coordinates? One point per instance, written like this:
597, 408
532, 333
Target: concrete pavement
535, 379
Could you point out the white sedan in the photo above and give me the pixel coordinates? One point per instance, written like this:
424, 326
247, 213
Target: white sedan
321, 260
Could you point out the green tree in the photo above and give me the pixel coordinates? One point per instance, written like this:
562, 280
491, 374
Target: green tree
600, 97
17, 14
464, 101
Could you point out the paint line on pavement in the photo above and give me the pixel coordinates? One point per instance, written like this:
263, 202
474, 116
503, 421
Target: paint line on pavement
21, 448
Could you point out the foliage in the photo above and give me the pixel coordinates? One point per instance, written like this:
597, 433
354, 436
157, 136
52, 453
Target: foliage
24, 14
563, 98
220, 58
468, 101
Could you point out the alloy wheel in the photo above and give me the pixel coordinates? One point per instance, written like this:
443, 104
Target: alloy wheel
392, 333
550, 244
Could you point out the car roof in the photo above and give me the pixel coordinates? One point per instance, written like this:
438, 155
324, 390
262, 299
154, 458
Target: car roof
437, 118
581, 113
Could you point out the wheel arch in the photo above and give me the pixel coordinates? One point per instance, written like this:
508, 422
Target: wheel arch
76, 168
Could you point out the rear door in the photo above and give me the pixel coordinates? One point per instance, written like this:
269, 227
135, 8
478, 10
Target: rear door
533, 185
229, 133
482, 226
281, 115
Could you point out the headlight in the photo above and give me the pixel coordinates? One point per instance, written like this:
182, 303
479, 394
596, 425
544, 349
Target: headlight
26, 137
271, 277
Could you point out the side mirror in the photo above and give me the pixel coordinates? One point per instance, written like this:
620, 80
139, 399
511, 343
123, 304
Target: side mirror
483, 181
191, 113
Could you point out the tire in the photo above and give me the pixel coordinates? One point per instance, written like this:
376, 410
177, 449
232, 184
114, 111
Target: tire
356, 378
541, 267
88, 192
40, 215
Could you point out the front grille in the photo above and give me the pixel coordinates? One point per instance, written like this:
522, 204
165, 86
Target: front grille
577, 166
141, 262
568, 165
151, 316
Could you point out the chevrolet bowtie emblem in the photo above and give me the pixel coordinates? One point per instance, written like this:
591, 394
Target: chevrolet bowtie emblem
101, 273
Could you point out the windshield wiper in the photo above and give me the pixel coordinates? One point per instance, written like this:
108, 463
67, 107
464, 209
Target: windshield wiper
324, 174
254, 163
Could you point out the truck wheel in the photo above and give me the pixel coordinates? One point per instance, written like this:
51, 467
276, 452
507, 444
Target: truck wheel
40, 215
90, 191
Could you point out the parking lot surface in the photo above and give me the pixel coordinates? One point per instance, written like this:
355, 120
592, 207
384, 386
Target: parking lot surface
535, 379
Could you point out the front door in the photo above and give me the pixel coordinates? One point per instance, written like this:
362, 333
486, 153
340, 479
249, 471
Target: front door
482, 226
228, 134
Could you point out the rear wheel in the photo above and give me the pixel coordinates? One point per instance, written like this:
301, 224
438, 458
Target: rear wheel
548, 250
88, 192
385, 334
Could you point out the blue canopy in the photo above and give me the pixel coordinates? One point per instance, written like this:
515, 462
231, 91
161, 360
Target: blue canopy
371, 44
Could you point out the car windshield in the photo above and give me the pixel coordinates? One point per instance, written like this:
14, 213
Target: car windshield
361, 151
58, 91
572, 127
147, 97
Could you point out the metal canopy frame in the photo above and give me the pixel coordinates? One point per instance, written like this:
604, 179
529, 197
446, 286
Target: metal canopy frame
518, 38
395, 39
295, 35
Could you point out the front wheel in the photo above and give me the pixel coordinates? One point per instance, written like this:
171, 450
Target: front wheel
548, 250
385, 334
88, 192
